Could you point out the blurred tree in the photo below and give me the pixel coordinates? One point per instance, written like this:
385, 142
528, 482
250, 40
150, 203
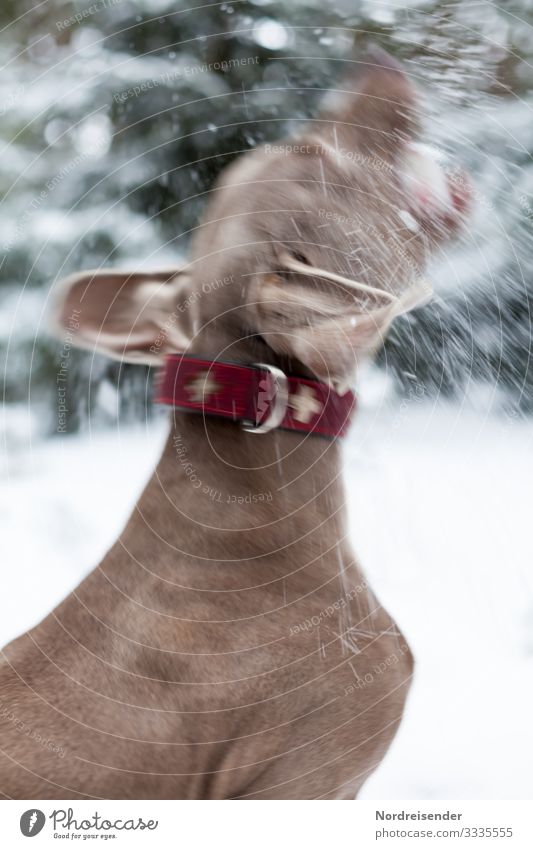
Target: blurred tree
117, 117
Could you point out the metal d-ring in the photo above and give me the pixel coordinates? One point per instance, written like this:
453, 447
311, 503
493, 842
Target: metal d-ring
278, 402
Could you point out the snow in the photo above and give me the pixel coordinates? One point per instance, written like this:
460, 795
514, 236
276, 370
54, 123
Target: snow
62, 503
440, 507
439, 499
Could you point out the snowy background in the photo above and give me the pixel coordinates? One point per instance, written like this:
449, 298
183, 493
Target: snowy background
439, 462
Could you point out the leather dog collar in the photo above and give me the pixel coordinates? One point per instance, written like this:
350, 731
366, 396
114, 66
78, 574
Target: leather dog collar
259, 396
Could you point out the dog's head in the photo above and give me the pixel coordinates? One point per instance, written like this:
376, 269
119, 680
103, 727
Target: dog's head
309, 248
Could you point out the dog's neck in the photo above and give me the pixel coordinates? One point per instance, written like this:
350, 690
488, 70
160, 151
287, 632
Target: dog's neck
226, 505
286, 465
228, 495
232, 496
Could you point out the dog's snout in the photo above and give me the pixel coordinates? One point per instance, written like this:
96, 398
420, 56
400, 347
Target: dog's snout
434, 187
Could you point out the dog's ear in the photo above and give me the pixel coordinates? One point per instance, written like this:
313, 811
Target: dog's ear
373, 107
324, 333
134, 317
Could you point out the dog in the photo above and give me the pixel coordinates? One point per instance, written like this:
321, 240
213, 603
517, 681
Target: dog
228, 645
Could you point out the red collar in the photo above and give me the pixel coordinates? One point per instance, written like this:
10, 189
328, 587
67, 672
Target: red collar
260, 396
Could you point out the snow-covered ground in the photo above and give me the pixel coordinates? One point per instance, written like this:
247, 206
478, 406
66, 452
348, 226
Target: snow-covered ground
441, 502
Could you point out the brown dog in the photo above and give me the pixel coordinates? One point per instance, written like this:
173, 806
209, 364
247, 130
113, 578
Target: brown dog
228, 645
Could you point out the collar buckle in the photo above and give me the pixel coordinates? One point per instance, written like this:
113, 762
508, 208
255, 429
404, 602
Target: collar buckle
273, 393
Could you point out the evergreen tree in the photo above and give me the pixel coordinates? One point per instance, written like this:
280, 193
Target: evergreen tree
118, 116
